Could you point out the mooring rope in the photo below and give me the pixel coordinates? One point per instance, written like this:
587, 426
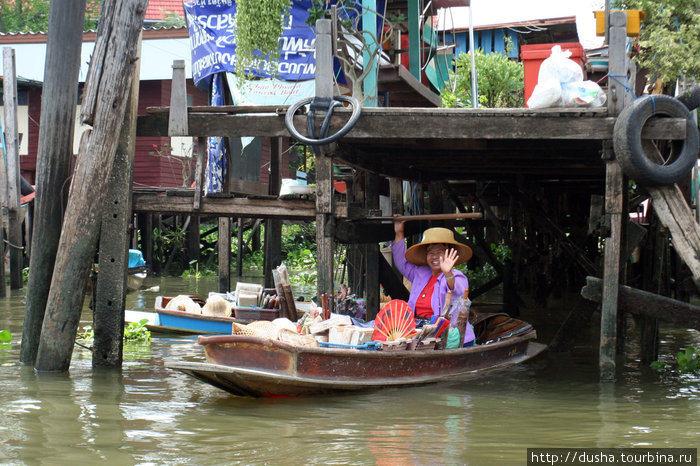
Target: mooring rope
21, 248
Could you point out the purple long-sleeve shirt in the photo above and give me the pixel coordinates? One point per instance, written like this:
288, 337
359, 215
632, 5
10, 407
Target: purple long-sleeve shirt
419, 275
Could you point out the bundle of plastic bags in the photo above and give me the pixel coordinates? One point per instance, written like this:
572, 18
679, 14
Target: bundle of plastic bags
560, 84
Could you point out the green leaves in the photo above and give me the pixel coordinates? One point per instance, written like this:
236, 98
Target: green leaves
688, 361
259, 25
137, 331
499, 80
669, 37
5, 336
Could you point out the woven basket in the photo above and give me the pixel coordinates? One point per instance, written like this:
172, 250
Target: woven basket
259, 328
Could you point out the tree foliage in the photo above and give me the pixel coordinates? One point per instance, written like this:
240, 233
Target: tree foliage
669, 37
33, 15
499, 81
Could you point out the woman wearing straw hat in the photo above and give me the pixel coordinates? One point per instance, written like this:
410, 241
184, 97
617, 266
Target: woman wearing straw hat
428, 265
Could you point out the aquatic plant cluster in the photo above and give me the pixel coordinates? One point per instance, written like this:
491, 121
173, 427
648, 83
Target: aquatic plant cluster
688, 361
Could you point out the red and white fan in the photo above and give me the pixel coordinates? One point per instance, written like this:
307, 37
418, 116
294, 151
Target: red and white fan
394, 321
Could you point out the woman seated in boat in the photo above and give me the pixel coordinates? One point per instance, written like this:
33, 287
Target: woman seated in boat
429, 266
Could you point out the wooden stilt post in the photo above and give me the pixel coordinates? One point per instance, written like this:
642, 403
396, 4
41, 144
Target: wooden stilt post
357, 263
324, 166
396, 195
224, 254
54, 160
3, 222
147, 239
12, 153
613, 202
193, 239
239, 240
273, 227
110, 297
103, 106
372, 250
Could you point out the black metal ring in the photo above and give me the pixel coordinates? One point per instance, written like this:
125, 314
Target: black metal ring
289, 121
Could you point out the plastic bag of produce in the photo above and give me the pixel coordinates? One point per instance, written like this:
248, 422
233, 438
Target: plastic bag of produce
582, 94
558, 66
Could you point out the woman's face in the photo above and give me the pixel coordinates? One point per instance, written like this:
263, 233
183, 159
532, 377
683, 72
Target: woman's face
433, 255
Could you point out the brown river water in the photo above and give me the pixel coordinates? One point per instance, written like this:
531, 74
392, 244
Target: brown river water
147, 414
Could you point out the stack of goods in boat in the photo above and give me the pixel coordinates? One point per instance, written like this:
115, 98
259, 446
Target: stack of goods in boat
394, 329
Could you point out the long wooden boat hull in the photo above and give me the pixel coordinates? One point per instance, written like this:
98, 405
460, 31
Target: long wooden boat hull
249, 366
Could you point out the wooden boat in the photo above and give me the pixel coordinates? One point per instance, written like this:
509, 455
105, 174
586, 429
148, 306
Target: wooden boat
251, 366
163, 320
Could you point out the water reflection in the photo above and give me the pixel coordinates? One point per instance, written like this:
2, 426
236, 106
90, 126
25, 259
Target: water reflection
147, 414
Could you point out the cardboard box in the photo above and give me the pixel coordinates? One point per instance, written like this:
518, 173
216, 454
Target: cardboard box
334, 321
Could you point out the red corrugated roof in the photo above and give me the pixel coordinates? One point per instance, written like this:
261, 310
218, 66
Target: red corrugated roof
157, 9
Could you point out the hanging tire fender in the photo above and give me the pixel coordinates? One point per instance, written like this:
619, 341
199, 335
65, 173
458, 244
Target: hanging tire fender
690, 98
630, 148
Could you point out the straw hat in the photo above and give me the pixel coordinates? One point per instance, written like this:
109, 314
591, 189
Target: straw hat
183, 303
416, 254
217, 306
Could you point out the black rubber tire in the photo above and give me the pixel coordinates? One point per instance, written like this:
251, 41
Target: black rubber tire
690, 98
25, 187
629, 147
289, 121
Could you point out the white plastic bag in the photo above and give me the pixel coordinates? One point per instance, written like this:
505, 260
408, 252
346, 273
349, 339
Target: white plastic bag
545, 94
582, 94
558, 66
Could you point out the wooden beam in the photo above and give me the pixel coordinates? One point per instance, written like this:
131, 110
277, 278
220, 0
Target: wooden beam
641, 302
396, 124
422, 217
673, 211
298, 209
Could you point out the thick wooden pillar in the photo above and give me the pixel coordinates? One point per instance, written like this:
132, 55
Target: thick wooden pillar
324, 166
54, 160
324, 224
273, 227
613, 203
110, 297
224, 254
104, 105
14, 236
611, 271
